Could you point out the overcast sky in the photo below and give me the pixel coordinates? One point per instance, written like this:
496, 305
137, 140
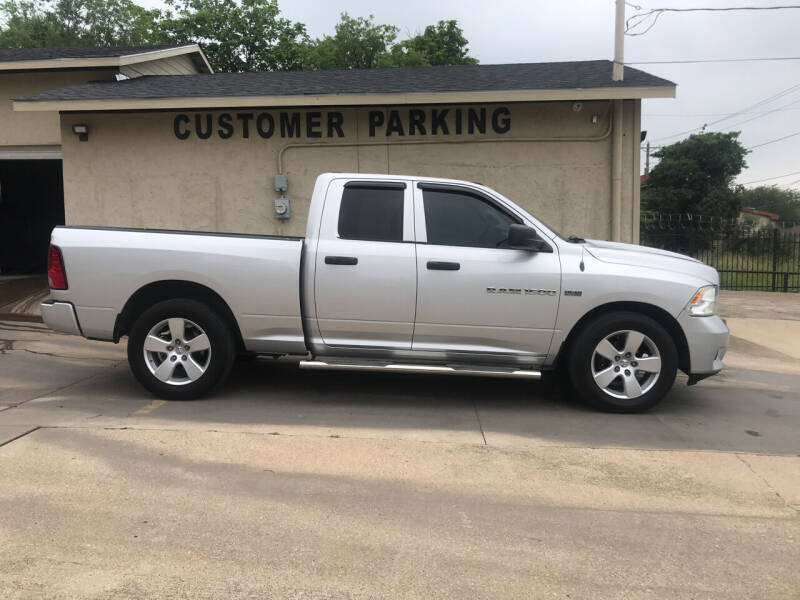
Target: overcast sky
508, 31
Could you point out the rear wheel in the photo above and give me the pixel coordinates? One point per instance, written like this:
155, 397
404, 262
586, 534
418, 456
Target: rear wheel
623, 362
180, 349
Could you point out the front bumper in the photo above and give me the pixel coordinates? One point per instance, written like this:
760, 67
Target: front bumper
707, 338
60, 316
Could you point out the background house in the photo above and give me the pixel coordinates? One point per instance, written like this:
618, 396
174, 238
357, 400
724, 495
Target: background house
759, 219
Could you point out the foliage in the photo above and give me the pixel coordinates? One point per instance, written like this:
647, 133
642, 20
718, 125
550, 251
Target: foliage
356, 44
360, 43
440, 44
237, 35
696, 176
771, 198
48, 23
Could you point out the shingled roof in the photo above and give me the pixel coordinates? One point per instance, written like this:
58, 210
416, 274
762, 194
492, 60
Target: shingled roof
576, 79
114, 57
17, 54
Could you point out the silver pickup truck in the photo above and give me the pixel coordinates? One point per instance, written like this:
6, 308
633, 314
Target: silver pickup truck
397, 274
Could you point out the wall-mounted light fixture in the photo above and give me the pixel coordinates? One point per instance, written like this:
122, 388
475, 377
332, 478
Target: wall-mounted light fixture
82, 131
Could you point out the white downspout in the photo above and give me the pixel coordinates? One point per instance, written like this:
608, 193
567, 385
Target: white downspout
617, 74
616, 172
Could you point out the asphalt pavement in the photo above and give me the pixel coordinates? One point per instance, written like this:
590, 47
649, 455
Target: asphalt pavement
296, 484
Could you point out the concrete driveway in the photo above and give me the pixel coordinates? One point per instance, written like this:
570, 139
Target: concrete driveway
290, 484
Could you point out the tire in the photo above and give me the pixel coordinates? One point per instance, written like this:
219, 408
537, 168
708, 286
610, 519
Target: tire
160, 360
605, 376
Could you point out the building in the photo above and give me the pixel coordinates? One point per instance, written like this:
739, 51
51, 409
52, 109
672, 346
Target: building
758, 219
31, 189
213, 152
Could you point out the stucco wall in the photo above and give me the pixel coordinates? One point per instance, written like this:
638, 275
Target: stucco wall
135, 171
36, 128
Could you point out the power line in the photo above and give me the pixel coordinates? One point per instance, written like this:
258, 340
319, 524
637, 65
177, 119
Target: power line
708, 60
684, 115
769, 112
767, 143
770, 178
733, 114
655, 14
758, 116
775, 140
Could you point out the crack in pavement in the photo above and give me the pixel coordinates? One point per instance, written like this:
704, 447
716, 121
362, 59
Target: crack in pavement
68, 357
769, 486
21, 435
597, 509
49, 392
480, 425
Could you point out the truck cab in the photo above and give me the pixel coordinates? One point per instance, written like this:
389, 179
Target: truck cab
426, 269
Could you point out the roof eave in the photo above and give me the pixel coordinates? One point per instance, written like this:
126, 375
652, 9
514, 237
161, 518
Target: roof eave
110, 62
179, 103
140, 57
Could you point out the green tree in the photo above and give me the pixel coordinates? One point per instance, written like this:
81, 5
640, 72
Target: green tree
771, 198
696, 176
238, 35
357, 43
47, 23
440, 44
360, 43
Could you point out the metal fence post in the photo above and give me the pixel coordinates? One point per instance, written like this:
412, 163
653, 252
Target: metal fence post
774, 256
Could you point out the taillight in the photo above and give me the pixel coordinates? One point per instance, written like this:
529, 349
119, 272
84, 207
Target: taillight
56, 274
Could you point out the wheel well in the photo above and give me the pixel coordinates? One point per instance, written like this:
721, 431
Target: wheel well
152, 293
666, 320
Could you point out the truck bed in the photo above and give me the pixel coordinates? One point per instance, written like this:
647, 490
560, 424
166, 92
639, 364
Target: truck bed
257, 275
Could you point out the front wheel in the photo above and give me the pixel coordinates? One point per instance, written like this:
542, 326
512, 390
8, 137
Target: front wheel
623, 362
180, 349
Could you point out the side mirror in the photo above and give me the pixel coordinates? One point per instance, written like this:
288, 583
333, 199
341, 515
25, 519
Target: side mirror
522, 237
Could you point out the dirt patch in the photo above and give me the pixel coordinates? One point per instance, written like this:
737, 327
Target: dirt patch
760, 305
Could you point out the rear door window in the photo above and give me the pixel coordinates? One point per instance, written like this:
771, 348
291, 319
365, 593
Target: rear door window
372, 213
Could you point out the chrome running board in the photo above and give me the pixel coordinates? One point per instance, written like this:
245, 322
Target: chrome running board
409, 368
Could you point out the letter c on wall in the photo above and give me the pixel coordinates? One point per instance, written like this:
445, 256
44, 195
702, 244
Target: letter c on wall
181, 134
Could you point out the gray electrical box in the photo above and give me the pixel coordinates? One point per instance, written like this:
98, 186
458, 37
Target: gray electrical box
281, 183
283, 210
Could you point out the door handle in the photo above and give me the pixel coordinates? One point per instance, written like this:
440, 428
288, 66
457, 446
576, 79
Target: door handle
436, 265
341, 260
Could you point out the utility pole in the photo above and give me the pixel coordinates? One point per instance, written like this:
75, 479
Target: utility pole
619, 42
616, 132
647, 159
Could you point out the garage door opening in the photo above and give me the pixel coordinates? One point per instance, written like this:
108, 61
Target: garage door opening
31, 204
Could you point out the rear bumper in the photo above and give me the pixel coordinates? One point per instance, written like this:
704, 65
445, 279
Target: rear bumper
707, 338
60, 316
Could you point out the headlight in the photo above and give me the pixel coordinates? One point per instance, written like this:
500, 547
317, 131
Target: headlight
704, 302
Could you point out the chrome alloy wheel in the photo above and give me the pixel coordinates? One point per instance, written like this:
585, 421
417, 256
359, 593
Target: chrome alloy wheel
626, 364
177, 351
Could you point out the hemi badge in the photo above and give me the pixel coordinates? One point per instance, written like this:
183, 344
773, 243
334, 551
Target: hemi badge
573, 293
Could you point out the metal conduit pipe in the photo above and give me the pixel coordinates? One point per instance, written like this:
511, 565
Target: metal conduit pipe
616, 173
611, 127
